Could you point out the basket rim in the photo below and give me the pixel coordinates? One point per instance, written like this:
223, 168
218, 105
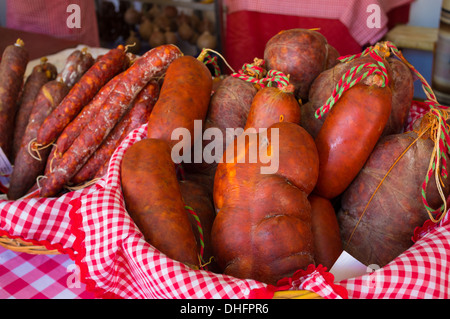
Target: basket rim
18, 245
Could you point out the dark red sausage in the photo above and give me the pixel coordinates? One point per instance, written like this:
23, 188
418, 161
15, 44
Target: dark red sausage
184, 98
41, 74
349, 134
325, 228
160, 214
27, 167
31, 159
87, 114
12, 69
152, 64
104, 69
271, 105
77, 63
134, 118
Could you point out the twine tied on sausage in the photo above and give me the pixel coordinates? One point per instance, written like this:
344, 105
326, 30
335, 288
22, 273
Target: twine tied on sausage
206, 58
181, 175
257, 74
200, 232
354, 76
433, 125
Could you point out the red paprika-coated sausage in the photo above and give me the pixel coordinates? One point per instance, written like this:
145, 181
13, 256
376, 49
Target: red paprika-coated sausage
152, 64
348, 136
12, 69
87, 114
30, 163
325, 228
184, 97
105, 68
271, 105
160, 214
41, 74
134, 118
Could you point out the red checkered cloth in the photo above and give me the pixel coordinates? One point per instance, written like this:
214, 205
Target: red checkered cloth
352, 13
93, 227
28, 276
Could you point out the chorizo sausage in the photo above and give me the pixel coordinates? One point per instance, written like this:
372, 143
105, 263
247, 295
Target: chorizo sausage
184, 98
349, 134
41, 74
134, 118
77, 63
152, 64
81, 93
161, 214
30, 163
271, 105
87, 114
325, 228
31, 159
12, 69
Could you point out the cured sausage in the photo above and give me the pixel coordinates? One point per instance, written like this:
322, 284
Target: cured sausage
184, 98
152, 64
12, 69
271, 105
87, 114
77, 63
29, 162
41, 74
105, 68
160, 215
263, 226
349, 134
134, 118
31, 159
327, 237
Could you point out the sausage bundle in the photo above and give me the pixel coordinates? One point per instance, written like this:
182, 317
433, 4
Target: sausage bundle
12, 69
152, 64
30, 160
106, 67
41, 74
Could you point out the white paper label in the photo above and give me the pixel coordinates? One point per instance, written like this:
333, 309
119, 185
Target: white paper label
5, 169
346, 266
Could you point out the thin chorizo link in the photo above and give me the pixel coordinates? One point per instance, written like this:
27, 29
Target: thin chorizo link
134, 118
30, 163
152, 64
12, 69
104, 69
41, 74
74, 128
77, 63
87, 114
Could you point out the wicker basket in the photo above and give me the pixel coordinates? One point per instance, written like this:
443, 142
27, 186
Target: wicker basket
25, 247
19, 245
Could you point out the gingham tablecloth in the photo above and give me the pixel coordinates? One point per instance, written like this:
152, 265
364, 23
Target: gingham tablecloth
91, 226
27, 276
